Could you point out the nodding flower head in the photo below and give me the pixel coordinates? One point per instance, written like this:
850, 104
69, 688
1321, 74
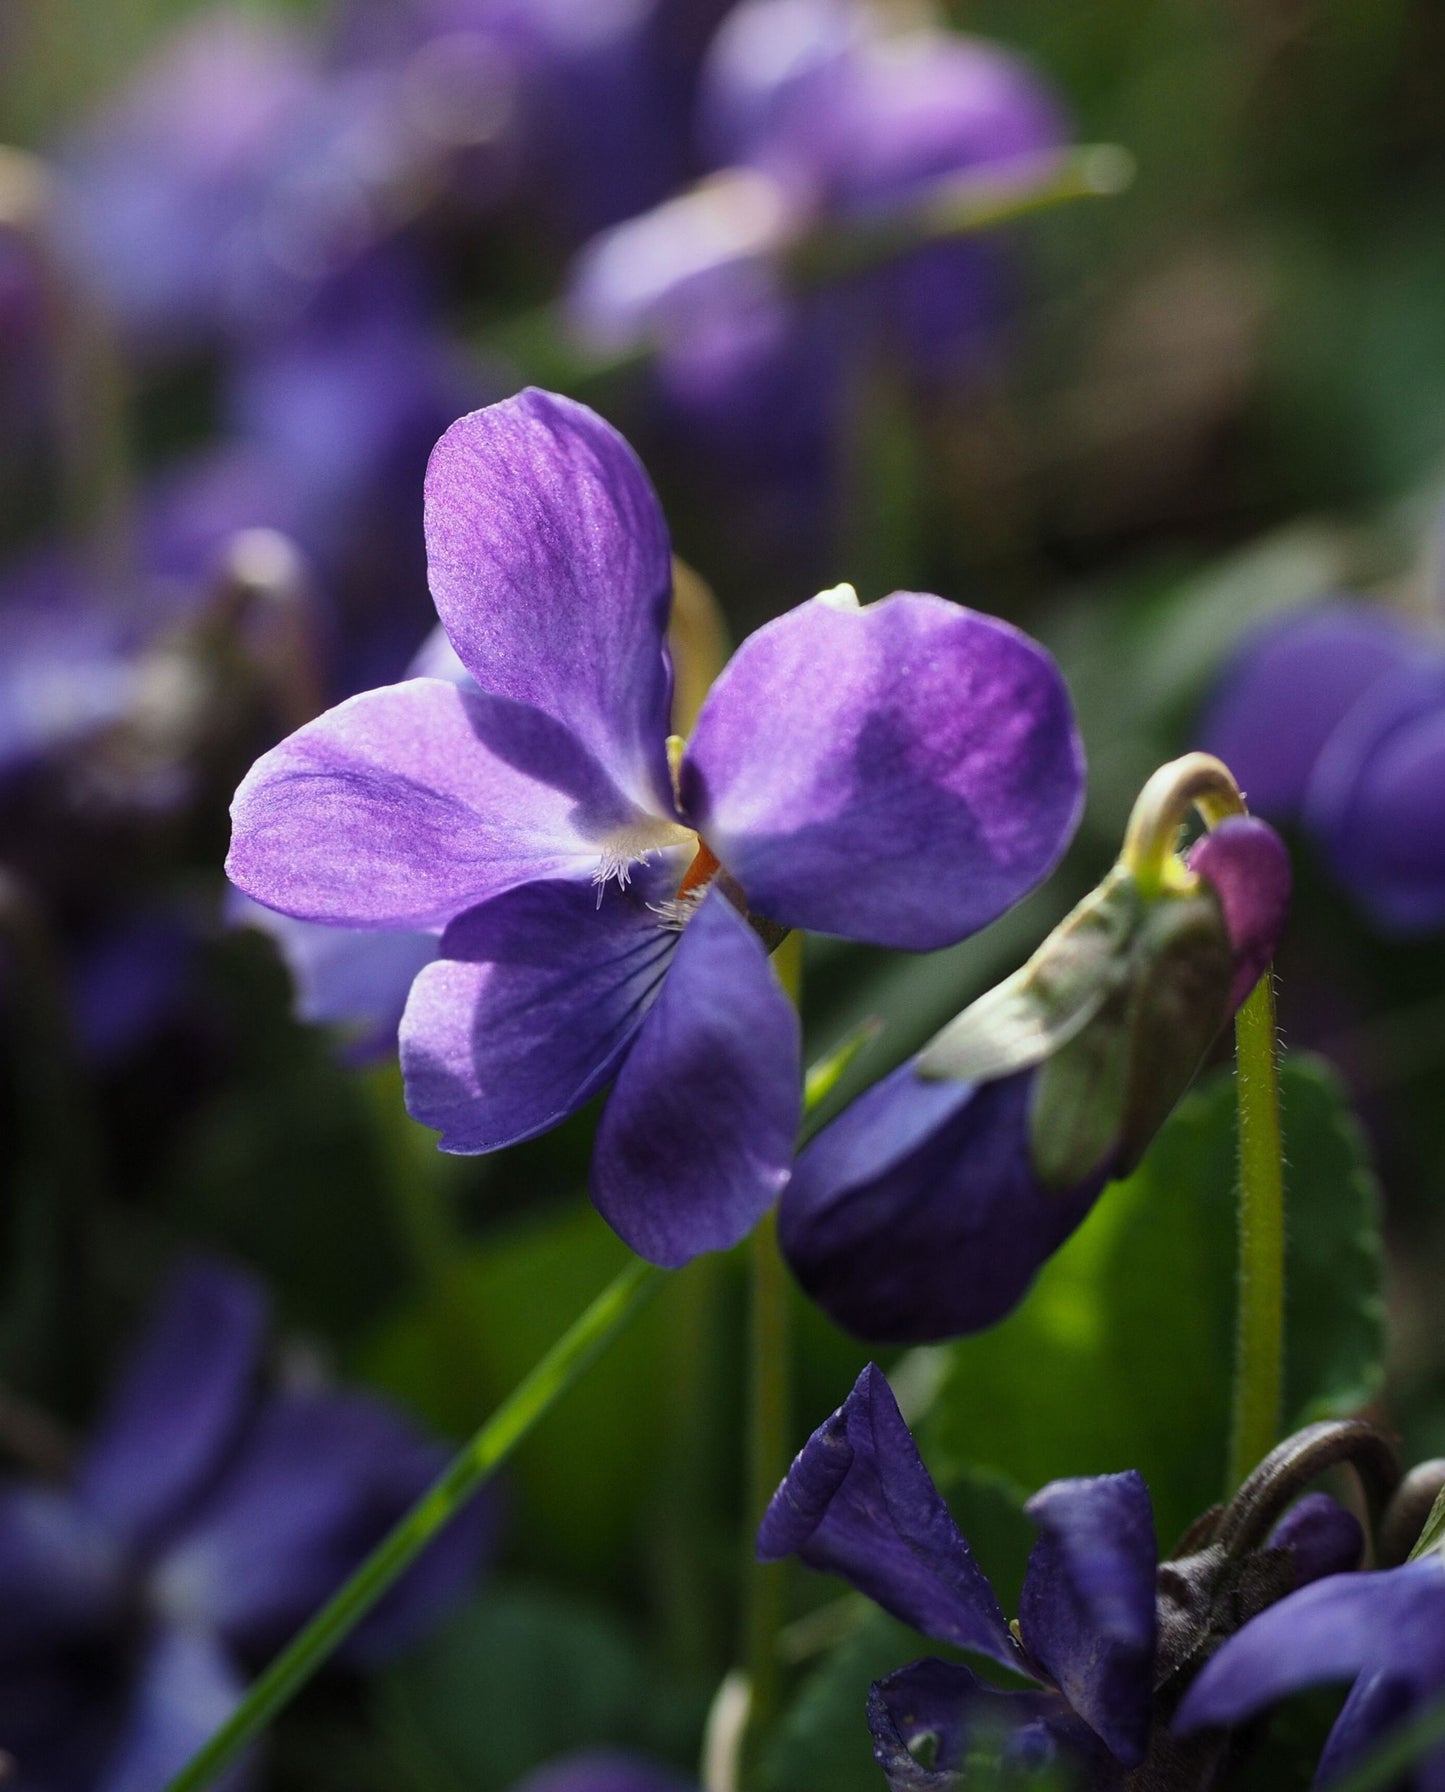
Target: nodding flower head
899, 772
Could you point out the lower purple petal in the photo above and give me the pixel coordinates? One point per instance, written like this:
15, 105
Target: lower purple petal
530, 1007
697, 1137
1087, 1607
1246, 864
858, 1502
916, 1215
61, 1573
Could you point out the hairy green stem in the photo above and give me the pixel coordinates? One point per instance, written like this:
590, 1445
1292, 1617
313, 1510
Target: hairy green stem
493, 1443
1259, 1333
770, 1453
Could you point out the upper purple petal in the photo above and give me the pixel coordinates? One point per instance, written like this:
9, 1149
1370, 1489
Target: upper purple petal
858, 1502
552, 573
1322, 1536
916, 1214
527, 1012
321, 1479
1287, 690
1391, 1621
180, 1404
406, 806
187, 1687
1087, 1607
697, 1137
900, 774
1377, 799
1245, 862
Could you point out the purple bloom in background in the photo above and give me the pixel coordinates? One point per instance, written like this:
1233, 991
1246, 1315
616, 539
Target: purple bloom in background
859, 1502
899, 774
205, 1520
1382, 1631
822, 120
1335, 718
920, 1212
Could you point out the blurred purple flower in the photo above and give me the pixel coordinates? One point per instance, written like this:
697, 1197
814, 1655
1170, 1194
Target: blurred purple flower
1383, 1631
823, 121
899, 774
204, 1521
1336, 718
919, 1213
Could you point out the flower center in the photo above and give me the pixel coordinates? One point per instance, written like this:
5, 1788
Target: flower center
631, 845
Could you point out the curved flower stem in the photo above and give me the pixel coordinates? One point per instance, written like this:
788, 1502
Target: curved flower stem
1199, 781
1259, 1333
498, 1437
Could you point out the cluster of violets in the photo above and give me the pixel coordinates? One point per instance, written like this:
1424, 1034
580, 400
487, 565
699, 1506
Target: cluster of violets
213, 1508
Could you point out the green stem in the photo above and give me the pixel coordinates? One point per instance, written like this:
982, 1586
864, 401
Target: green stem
768, 1462
498, 1437
1259, 1336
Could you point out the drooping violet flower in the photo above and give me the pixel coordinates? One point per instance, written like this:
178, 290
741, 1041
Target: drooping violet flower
1384, 1631
926, 1209
899, 774
1098, 1630
205, 1519
1335, 719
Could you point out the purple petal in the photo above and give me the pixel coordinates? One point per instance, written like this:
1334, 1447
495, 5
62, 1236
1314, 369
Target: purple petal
320, 1481
900, 774
188, 1687
180, 1404
1087, 1607
1377, 1703
1290, 687
1246, 863
356, 979
61, 1573
604, 1771
1332, 1629
552, 572
954, 1711
405, 807
859, 1503
1322, 1536
1377, 800
530, 1007
697, 1137
916, 1214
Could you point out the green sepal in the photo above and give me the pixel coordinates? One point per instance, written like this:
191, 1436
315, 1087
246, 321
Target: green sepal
1047, 1002
1432, 1538
1099, 1101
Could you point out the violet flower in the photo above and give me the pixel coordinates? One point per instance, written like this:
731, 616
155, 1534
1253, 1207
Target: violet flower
1335, 718
204, 1521
1383, 1631
925, 1210
1095, 1625
899, 774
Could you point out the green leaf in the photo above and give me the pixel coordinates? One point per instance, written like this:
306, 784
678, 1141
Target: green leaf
520, 1677
1120, 1356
